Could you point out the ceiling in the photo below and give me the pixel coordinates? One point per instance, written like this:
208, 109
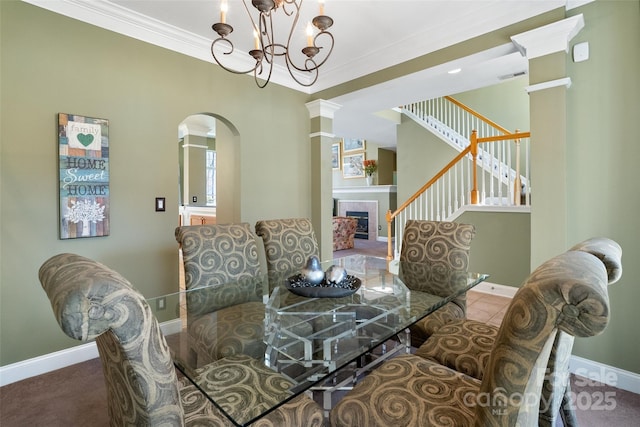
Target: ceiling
370, 35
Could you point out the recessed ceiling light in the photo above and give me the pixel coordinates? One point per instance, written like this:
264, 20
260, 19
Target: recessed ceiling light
455, 71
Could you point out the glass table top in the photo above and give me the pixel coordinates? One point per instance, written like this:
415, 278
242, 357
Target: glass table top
301, 340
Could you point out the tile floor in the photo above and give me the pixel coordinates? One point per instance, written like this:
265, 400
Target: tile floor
486, 308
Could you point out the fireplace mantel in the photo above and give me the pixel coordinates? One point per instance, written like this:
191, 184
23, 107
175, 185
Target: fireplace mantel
366, 189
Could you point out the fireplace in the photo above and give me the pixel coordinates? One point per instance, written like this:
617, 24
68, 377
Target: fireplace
362, 229
370, 207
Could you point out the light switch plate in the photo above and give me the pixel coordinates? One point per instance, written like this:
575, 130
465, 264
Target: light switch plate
581, 52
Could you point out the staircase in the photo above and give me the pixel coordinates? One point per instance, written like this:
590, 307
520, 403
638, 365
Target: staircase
494, 177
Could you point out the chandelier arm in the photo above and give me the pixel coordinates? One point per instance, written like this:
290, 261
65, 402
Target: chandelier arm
316, 65
294, 24
267, 80
297, 7
310, 70
269, 47
253, 23
213, 53
328, 34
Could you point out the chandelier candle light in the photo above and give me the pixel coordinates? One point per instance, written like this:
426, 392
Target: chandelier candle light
266, 49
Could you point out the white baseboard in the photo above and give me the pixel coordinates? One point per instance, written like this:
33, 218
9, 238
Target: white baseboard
47, 363
495, 289
61, 359
601, 373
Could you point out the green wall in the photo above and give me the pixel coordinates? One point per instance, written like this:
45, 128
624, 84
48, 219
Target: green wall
501, 246
52, 64
603, 149
505, 103
386, 167
421, 154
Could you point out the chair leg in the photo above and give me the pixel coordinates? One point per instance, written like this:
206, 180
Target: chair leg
567, 412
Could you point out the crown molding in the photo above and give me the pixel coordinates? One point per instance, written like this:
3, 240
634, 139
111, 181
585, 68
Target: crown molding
548, 39
113, 17
322, 108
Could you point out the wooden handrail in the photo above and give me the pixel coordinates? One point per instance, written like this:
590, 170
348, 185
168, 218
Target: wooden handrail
474, 196
476, 114
515, 135
390, 215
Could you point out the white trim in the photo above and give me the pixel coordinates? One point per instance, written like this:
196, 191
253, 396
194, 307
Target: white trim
612, 376
322, 134
366, 189
195, 146
551, 38
49, 362
566, 81
322, 108
496, 208
495, 289
61, 359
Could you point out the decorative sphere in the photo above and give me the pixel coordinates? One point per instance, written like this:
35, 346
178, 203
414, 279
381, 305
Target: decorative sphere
336, 274
312, 271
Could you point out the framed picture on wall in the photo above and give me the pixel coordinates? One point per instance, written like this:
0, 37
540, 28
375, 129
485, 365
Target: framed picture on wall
83, 156
353, 165
352, 145
335, 156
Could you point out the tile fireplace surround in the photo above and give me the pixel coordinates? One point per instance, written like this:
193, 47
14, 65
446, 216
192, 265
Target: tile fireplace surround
369, 206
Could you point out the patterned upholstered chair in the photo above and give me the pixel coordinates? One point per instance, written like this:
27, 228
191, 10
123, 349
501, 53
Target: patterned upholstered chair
92, 302
288, 243
568, 294
344, 232
466, 345
228, 318
440, 244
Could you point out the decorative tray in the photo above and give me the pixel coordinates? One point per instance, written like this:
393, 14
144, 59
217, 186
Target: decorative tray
300, 286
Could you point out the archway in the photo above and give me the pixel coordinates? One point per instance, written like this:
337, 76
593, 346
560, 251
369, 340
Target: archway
203, 137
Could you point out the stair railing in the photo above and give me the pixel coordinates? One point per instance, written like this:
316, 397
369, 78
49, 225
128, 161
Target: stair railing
458, 184
454, 120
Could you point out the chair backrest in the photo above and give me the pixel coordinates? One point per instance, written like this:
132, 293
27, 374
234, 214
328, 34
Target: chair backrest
440, 246
437, 243
609, 253
567, 293
225, 258
288, 244
92, 302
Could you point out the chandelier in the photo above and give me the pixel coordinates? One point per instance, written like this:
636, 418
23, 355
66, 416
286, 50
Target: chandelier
266, 49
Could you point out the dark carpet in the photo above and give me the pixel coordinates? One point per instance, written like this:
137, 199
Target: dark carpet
76, 396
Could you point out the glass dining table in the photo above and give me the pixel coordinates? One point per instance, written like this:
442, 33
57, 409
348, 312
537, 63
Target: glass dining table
309, 340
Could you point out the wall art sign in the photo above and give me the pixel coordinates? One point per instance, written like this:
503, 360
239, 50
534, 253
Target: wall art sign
83, 151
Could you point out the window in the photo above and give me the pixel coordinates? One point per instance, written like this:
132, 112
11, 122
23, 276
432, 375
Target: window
211, 177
